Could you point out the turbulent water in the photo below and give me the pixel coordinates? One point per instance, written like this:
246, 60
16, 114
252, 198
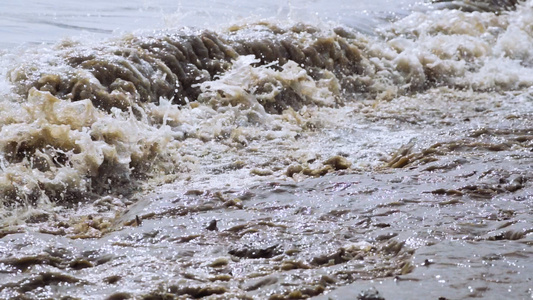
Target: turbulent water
389, 157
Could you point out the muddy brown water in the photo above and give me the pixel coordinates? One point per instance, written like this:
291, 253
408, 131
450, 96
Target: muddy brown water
402, 172
454, 223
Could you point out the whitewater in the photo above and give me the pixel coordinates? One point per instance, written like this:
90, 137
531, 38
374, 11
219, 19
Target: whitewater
277, 151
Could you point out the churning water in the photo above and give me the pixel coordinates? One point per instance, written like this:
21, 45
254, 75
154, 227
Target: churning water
230, 150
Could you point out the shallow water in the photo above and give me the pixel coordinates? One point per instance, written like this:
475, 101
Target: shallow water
268, 159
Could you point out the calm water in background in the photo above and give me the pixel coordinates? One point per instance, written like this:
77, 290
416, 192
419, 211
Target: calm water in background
33, 21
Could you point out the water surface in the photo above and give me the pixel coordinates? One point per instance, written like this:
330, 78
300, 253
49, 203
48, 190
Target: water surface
225, 150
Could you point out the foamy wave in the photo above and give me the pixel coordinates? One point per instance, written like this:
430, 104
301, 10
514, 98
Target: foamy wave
264, 88
60, 149
92, 119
